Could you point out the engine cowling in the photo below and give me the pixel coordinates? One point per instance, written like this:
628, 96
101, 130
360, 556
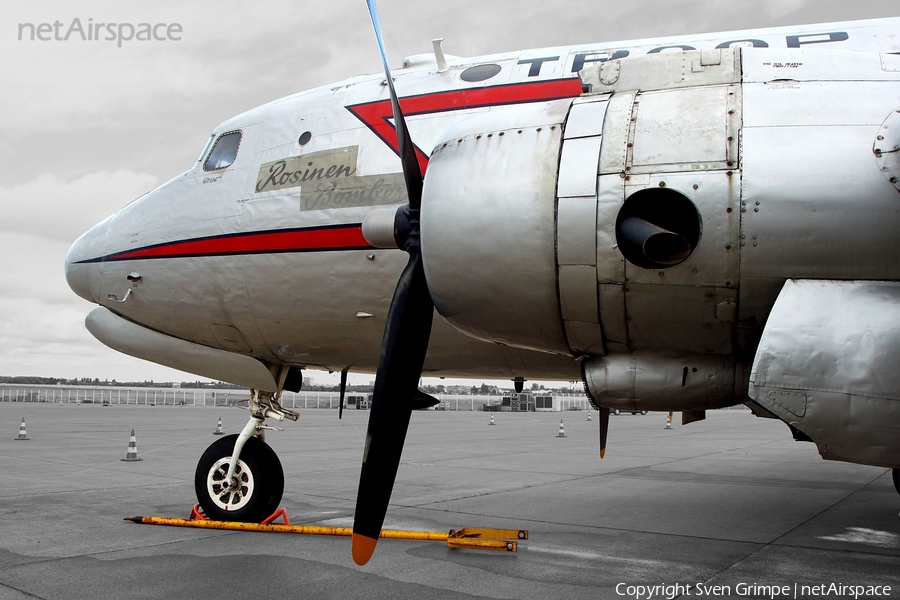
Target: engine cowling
488, 226
575, 226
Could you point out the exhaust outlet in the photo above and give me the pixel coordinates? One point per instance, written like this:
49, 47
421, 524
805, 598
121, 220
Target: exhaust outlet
656, 244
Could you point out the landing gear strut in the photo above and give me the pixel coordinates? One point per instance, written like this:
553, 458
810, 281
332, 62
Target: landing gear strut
239, 477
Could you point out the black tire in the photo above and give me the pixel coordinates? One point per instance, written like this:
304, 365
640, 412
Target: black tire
895, 473
262, 481
616, 411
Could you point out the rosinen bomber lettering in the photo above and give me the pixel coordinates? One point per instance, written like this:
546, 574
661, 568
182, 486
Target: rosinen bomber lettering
328, 165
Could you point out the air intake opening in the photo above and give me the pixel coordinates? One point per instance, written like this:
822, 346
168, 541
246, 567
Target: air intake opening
658, 228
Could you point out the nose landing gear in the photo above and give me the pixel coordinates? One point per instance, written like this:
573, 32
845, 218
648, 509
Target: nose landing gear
255, 489
239, 477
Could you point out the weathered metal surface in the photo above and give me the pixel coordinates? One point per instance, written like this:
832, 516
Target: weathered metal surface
811, 64
826, 365
576, 226
684, 128
578, 167
665, 71
586, 117
616, 128
576, 230
823, 213
679, 317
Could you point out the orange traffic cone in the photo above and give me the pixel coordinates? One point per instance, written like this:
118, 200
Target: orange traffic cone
562, 431
218, 430
131, 454
589, 416
22, 434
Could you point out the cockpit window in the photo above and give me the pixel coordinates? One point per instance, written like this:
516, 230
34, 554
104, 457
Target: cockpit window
206, 147
224, 151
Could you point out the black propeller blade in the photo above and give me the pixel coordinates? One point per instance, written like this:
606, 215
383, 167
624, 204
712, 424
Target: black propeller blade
400, 366
603, 413
344, 372
403, 348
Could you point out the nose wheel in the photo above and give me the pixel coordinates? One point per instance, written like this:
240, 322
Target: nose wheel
255, 488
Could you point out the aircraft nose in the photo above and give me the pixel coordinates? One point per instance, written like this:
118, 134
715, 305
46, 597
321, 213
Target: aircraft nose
82, 275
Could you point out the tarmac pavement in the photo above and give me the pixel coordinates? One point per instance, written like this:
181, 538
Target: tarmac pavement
721, 506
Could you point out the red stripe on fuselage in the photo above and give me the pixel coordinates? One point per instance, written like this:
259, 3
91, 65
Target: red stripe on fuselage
312, 239
377, 115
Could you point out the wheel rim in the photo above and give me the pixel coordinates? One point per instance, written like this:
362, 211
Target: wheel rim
220, 493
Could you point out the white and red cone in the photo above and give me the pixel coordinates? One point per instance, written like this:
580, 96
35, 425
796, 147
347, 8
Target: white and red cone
22, 435
562, 431
131, 453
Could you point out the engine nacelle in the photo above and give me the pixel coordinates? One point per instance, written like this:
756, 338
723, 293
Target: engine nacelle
605, 223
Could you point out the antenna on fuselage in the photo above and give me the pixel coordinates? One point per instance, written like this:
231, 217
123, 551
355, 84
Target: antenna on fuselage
439, 57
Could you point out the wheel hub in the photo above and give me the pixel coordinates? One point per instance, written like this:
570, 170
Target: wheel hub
230, 495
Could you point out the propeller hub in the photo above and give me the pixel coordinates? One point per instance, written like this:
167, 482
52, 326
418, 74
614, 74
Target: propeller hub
393, 228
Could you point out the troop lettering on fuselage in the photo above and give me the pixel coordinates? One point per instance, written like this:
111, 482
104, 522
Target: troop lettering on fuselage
579, 60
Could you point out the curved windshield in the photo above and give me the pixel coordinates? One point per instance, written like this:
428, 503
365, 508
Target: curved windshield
224, 151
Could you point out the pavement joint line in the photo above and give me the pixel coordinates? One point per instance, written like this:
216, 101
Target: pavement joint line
776, 543
599, 527
756, 482
852, 492
762, 545
208, 534
84, 490
23, 592
732, 565
574, 477
110, 468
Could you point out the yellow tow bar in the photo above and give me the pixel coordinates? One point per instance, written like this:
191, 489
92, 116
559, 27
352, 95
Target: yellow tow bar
472, 538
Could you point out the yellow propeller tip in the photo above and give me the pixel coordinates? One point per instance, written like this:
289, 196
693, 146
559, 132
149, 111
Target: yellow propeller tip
602, 452
363, 548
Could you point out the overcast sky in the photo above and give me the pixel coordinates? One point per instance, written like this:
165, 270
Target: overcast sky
86, 127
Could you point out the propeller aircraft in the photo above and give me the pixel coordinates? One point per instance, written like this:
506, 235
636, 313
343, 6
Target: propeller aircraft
683, 224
